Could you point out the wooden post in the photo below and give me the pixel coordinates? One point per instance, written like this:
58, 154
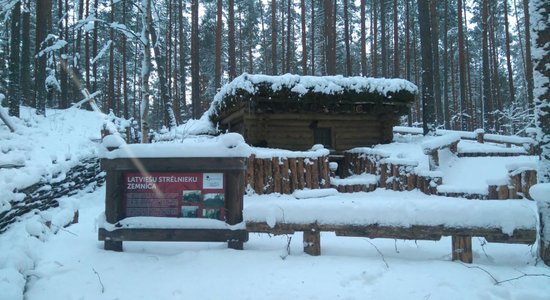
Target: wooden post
276, 175
312, 242
493, 193
259, 178
300, 172
454, 147
250, 171
315, 173
113, 210
462, 248
516, 182
411, 180
309, 173
75, 217
480, 136
513, 194
383, 175
285, 177
434, 159
235, 190
268, 175
531, 181
324, 171
344, 168
503, 192
293, 175
395, 175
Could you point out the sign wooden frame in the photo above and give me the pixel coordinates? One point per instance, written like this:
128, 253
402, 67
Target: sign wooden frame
234, 170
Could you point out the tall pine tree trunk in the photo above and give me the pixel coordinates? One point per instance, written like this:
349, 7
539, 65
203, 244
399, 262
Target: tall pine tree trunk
363, 39
383, 39
528, 61
43, 9
14, 72
486, 77
231, 41
349, 70
25, 80
508, 59
446, 107
462, 67
395, 42
304, 36
195, 84
434, 20
218, 58
273, 37
428, 113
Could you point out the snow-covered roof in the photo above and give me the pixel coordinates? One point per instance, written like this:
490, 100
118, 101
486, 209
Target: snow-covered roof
324, 90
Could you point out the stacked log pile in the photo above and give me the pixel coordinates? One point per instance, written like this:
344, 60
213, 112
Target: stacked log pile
284, 175
44, 194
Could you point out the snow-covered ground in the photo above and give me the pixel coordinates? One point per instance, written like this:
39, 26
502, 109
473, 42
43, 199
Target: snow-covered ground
70, 263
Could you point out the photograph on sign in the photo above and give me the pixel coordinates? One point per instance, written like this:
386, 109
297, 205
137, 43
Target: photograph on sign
191, 211
192, 196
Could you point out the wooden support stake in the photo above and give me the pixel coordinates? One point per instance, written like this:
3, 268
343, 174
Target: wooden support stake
285, 176
516, 182
411, 180
395, 175
325, 172
512, 192
113, 245
434, 160
293, 174
383, 175
75, 217
276, 175
312, 242
315, 173
503, 192
268, 175
309, 173
462, 248
250, 171
300, 173
493, 193
259, 182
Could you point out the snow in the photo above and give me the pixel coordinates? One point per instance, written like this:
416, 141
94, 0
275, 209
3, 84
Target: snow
102, 52
227, 145
541, 193
473, 174
315, 193
407, 209
364, 179
67, 135
317, 84
438, 142
72, 265
475, 147
160, 222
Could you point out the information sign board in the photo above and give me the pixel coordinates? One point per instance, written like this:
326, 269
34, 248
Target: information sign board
175, 194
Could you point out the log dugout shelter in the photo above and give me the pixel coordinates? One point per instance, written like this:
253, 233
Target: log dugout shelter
296, 112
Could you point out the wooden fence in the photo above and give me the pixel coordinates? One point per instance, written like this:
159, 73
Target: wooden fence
44, 194
286, 174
